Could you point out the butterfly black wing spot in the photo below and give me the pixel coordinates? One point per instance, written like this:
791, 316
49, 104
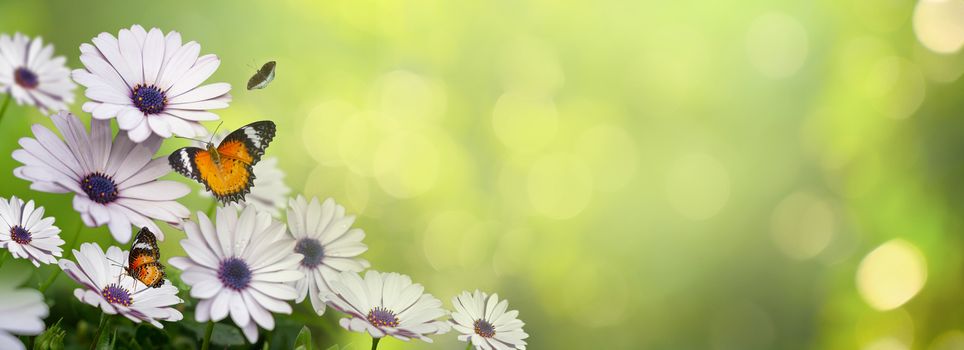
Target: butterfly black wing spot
255, 136
182, 161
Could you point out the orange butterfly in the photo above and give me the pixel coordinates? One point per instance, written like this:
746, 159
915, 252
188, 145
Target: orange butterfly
225, 170
144, 260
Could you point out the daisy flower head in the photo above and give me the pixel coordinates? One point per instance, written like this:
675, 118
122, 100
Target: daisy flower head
114, 181
106, 285
150, 82
269, 192
330, 246
241, 265
21, 313
386, 304
32, 75
27, 234
483, 321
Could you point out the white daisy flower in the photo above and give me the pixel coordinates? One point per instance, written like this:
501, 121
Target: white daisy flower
106, 285
386, 304
239, 265
150, 82
269, 192
21, 313
115, 182
329, 244
483, 321
30, 73
27, 234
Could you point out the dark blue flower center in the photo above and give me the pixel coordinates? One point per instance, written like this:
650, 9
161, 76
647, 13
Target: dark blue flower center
312, 250
20, 235
99, 187
382, 317
25, 78
484, 328
234, 273
149, 99
116, 294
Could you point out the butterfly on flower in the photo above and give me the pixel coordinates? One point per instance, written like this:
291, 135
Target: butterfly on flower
144, 260
225, 170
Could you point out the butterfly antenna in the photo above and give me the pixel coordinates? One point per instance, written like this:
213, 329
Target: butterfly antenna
215, 131
115, 263
188, 138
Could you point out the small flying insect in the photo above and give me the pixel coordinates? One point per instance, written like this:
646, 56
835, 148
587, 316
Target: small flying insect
263, 77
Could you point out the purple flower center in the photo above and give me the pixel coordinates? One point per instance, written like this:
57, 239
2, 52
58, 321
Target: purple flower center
20, 235
149, 99
99, 187
234, 273
25, 78
313, 251
484, 328
382, 317
115, 294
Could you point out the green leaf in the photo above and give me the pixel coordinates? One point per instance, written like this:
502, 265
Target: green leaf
303, 341
333, 347
51, 339
104, 343
225, 335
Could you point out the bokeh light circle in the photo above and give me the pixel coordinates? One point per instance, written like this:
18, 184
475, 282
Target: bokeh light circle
895, 86
321, 130
891, 274
950, 340
559, 186
939, 25
357, 140
443, 237
802, 225
776, 45
524, 123
406, 164
611, 155
407, 100
697, 186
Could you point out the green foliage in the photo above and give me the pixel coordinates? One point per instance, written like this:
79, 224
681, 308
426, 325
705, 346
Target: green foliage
303, 341
226, 335
51, 339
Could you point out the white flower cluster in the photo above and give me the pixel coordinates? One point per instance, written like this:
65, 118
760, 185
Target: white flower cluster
243, 262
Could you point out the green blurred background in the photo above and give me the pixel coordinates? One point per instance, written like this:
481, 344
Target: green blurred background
629, 174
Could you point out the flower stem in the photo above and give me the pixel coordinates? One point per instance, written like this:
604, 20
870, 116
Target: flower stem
101, 329
207, 336
4, 256
6, 103
469, 346
53, 276
375, 343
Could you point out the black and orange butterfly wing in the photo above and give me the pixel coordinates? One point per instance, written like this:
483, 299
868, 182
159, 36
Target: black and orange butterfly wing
229, 178
144, 259
248, 143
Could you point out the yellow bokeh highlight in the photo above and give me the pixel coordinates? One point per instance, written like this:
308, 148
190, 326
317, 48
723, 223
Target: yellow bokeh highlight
891, 274
939, 25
